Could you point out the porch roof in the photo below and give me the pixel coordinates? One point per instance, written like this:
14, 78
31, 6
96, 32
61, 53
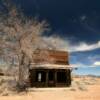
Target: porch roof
49, 66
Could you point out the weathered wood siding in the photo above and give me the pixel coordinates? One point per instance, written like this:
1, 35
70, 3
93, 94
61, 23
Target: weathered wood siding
51, 56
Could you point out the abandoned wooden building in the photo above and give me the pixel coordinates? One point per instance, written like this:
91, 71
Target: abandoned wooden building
50, 69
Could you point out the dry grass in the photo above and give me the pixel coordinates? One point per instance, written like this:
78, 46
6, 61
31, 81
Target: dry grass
87, 88
7, 85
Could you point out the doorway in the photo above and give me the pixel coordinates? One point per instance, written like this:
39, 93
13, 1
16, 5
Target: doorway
61, 77
51, 78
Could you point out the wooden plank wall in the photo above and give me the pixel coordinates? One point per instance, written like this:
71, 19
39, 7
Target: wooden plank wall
51, 56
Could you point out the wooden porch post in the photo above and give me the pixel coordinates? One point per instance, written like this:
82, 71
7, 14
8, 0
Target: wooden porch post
68, 73
55, 77
47, 78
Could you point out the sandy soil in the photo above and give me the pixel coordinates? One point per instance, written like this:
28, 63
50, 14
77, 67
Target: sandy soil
90, 90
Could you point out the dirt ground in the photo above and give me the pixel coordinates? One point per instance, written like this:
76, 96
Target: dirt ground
81, 89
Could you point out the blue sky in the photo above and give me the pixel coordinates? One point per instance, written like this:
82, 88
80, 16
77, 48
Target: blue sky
77, 23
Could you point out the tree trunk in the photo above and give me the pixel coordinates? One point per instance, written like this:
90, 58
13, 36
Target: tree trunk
21, 68
24, 70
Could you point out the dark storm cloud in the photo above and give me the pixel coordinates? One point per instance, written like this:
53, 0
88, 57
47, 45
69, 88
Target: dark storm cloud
77, 19
69, 18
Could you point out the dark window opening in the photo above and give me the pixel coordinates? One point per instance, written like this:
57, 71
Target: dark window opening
40, 76
61, 77
51, 75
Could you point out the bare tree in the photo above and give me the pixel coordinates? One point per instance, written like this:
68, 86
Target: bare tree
19, 36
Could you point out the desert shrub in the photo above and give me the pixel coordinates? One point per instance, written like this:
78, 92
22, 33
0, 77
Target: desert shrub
7, 85
78, 85
21, 87
81, 86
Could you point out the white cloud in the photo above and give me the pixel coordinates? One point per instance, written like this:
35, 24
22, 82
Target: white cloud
57, 42
77, 65
81, 65
66, 45
97, 63
85, 47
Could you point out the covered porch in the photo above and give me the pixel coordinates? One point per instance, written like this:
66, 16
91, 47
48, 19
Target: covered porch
50, 76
